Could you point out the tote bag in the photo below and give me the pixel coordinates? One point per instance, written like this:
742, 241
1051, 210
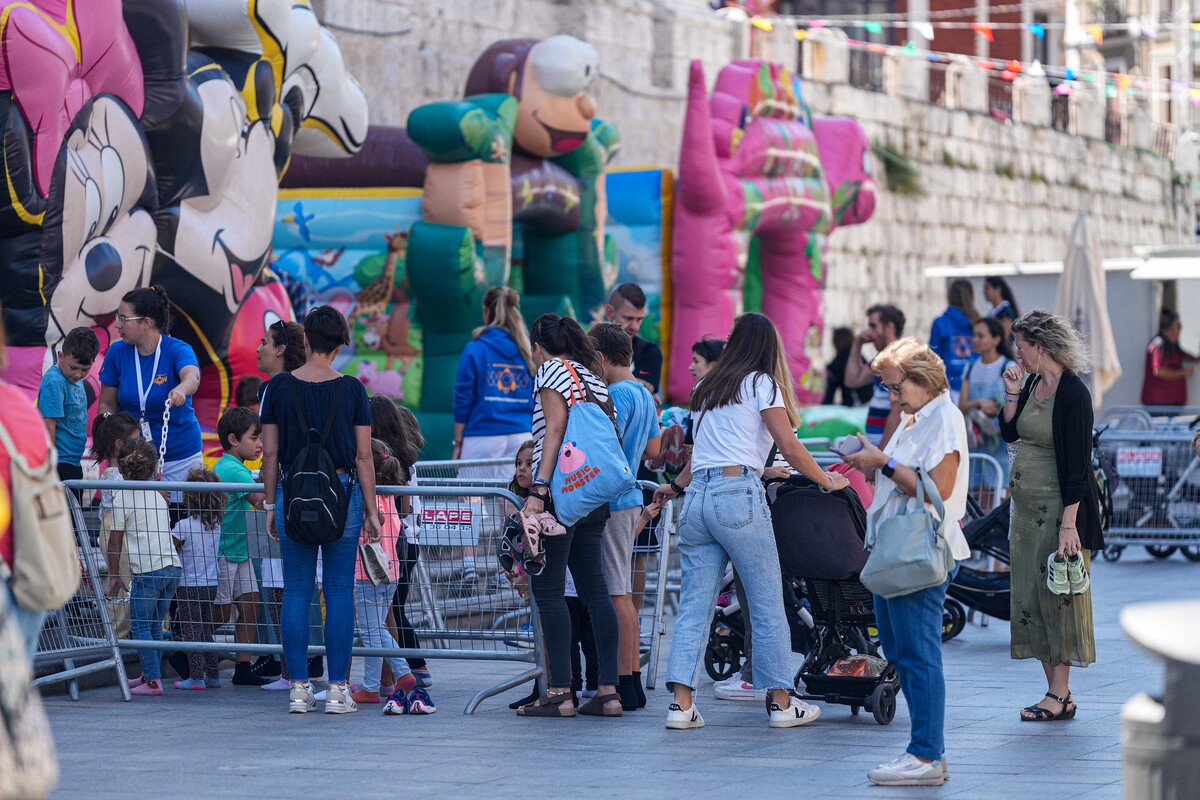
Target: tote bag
907, 552
591, 469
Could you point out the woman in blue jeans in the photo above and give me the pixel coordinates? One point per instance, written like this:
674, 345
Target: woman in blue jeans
932, 437
742, 406
321, 391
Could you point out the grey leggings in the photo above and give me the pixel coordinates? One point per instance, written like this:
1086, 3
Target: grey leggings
194, 609
579, 549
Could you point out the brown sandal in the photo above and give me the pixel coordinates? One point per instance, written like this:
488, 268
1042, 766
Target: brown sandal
549, 705
595, 706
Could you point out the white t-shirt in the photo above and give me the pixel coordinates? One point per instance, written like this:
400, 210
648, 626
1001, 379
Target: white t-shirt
144, 517
938, 429
554, 375
736, 434
199, 552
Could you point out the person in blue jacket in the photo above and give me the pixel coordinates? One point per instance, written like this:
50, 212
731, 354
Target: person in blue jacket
493, 397
951, 334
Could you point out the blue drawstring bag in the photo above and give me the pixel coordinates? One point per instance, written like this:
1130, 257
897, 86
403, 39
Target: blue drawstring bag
591, 469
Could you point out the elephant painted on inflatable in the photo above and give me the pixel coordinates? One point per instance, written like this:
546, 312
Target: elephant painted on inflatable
758, 173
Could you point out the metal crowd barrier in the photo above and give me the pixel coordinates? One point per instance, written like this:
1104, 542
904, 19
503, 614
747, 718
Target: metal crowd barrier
1158, 501
452, 612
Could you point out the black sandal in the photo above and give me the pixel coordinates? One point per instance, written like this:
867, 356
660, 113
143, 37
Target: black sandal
550, 705
1046, 715
595, 706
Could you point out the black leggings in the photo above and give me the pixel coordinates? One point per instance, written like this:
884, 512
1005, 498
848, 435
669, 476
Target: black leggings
406, 554
580, 550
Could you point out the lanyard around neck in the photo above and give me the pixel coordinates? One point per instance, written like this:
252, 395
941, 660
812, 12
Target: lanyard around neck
144, 389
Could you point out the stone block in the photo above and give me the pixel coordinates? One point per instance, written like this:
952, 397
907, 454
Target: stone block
1031, 100
966, 86
905, 75
825, 56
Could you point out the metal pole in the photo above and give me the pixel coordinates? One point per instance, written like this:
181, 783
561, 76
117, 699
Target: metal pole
1026, 34
1072, 34
918, 11
982, 48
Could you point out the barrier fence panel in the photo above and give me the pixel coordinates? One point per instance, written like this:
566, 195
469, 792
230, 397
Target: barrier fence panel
987, 481
82, 629
209, 590
1158, 500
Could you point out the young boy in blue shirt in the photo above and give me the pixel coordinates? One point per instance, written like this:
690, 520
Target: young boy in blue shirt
637, 420
62, 400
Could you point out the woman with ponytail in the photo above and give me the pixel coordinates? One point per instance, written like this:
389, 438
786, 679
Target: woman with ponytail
148, 372
493, 403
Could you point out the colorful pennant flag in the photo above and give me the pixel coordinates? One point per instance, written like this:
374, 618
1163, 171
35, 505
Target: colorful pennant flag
983, 30
1038, 30
1096, 32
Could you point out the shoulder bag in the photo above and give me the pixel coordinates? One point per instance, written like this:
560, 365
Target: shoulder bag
591, 469
908, 553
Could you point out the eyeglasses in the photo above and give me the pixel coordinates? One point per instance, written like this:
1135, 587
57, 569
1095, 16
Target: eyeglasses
894, 388
122, 319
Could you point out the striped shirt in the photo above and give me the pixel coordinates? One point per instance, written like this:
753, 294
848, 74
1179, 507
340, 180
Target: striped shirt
553, 375
877, 412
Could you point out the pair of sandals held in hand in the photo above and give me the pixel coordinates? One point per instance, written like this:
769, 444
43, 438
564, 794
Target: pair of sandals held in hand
521, 542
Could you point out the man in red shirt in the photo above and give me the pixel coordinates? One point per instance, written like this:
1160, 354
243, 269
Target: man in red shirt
1165, 381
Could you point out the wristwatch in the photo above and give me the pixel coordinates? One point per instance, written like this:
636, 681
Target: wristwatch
889, 469
677, 489
544, 494
268, 506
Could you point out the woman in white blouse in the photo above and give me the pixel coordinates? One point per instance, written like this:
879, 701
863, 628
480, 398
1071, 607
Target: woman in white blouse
932, 437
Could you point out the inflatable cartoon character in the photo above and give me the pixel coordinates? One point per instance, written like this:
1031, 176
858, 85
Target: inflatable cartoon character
755, 168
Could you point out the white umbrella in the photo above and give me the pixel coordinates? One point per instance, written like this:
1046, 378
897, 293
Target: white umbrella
1083, 299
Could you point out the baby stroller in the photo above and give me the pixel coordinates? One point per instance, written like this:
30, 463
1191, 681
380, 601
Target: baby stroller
726, 647
820, 540
983, 582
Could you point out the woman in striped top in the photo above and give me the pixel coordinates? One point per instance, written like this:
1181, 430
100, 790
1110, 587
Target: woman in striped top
555, 340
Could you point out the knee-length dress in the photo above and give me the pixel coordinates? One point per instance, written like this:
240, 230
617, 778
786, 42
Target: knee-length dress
1056, 629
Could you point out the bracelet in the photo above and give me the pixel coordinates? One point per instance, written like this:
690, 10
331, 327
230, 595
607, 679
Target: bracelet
458, 442
676, 488
540, 482
1008, 400
1066, 527
826, 489
268, 506
1007, 393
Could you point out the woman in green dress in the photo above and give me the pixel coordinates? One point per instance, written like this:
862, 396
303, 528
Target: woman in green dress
1054, 513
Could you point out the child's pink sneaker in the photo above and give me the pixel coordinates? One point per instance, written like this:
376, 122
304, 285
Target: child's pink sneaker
150, 688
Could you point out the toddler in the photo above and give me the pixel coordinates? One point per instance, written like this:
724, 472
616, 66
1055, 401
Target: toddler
141, 518
197, 537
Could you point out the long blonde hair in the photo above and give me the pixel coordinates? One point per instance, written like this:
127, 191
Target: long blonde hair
754, 346
502, 309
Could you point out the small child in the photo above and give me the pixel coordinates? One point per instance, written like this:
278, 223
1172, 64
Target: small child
109, 433
372, 603
141, 517
248, 392
62, 400
240, 432
197, 538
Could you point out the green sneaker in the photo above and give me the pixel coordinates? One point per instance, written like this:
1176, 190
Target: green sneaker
1056, 575
1077, 575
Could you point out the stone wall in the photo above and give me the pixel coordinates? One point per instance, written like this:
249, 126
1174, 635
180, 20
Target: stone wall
994, 191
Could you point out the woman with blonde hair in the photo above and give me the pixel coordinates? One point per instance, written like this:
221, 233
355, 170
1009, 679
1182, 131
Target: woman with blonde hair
931, 439
743, 405
1055, 516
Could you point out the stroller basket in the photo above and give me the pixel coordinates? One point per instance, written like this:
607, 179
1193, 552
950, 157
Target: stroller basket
840, 602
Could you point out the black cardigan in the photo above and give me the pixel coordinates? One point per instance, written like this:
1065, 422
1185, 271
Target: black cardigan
1071, 426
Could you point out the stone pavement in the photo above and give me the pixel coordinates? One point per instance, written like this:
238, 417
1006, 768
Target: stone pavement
239, 742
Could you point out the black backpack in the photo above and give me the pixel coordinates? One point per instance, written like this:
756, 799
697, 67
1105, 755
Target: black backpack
315, 504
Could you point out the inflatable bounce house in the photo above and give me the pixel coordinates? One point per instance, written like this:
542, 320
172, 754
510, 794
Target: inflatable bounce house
143, 143
219, 147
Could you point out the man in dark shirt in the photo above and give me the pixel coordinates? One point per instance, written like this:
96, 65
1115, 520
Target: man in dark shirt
627, 308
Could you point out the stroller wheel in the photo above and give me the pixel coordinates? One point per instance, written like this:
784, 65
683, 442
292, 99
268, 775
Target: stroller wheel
854, 711
1113, 552
1191, 552
723, 655
883, 703
954, 619
1161, 550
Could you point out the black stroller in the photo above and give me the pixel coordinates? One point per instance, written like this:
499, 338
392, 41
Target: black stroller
983, 582
820, 540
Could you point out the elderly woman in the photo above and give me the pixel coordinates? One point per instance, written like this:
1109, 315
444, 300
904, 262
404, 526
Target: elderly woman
931, 437
1054, 514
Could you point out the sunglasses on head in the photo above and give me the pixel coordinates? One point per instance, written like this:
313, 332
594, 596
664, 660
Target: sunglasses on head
281, 336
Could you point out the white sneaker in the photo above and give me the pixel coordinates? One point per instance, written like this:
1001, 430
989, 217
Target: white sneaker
945, 768
737, 690
734, 678
796, 714
908, 770
300, 699
338, 699
278, 685
678, 719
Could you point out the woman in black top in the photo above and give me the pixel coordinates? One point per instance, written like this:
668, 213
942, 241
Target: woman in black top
1055, 516
317, 386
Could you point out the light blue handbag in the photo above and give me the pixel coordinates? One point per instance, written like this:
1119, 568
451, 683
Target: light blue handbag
591, 469
908, 553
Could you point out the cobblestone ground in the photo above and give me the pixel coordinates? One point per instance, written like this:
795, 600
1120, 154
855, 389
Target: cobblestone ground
239, 742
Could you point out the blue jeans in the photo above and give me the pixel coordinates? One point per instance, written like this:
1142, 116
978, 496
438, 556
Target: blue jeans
337, 580
28, 622
149, 598
724, 519
910, 630
371, 605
